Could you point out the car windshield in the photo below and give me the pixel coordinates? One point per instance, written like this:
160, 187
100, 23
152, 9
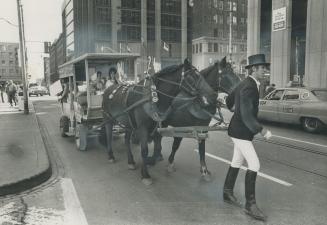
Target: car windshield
320, 94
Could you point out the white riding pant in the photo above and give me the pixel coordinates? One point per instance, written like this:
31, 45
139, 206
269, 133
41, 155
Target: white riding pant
243, 149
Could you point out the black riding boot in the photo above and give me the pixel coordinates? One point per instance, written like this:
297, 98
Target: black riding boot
251, 207
229, 186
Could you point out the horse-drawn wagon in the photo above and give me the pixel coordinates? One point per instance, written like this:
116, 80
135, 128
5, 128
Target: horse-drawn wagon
84, 80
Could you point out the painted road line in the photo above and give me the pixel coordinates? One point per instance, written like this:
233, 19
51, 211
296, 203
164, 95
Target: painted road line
244, 168
306, 142
74, 213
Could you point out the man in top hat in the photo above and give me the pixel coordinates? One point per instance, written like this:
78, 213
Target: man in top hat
244, 101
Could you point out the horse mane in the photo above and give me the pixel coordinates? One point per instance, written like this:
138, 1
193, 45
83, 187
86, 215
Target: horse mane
205, 72
168, 70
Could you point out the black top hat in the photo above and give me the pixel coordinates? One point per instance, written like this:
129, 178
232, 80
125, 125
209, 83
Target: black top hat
258, 59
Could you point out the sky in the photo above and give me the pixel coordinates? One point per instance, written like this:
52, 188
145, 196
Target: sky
42, 20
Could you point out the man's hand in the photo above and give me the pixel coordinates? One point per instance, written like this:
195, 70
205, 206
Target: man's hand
266, 133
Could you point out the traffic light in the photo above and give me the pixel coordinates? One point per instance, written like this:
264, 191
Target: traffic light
47, 46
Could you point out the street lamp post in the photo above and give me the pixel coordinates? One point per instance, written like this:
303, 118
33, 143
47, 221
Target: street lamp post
22, 55
230, 30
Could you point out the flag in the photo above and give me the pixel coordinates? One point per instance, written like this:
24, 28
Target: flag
128, 49
165, 46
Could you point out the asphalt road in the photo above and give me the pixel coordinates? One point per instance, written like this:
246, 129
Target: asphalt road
291, 188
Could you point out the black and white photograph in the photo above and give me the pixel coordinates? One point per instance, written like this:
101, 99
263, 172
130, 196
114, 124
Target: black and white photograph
163, 112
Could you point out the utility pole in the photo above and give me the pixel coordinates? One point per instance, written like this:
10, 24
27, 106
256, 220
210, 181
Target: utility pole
22, 55
230, 30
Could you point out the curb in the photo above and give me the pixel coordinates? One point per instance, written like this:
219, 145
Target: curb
33, 181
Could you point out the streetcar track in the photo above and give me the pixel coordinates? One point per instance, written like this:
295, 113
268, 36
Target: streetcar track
292, 146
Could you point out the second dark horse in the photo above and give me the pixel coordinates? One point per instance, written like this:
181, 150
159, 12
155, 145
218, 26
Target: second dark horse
191, 112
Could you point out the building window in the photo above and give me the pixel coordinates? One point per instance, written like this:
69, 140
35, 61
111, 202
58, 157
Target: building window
131, 17
170, 6
234, 6
242, 20
103, 14
234, 20
215, 18
221, 5
243, 8
235, 48
103, 3
220, 33
11, 63
3, 62
215, 32
215, 47
193, 49
209, 47
200, 48
171, 21
221, 48
221, 19
135, 4
171, 35
215, 3
11, 70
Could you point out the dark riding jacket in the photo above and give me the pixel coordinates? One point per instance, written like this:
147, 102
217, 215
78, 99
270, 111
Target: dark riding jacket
245, 98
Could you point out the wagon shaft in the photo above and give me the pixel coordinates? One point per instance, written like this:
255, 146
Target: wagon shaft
196, 132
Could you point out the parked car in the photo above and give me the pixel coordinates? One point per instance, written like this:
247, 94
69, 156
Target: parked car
38, 91
305, 106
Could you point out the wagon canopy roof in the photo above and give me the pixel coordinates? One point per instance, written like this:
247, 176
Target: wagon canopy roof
101, 57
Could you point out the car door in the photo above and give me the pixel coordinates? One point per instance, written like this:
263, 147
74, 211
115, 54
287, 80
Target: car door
269, 106
290, 107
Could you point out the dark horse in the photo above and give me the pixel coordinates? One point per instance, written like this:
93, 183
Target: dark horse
191, 112
141, 107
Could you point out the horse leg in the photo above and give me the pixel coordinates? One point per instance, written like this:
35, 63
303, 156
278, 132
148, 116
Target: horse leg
131, 162
109, 127
146, 178
205, 173
176, 144
157, 156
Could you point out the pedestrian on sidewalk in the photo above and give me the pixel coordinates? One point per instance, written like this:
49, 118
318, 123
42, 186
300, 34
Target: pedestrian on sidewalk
244, 101
11, 90
2, 91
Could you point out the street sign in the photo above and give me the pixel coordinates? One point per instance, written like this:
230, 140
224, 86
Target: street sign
279, 19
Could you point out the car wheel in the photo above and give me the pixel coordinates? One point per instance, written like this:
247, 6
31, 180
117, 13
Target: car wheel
311, 125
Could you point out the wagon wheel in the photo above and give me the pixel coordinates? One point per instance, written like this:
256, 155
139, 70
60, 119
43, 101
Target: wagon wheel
64, 126
311, 125
81, 137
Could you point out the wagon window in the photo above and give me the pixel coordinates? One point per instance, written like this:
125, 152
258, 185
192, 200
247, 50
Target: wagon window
291, 95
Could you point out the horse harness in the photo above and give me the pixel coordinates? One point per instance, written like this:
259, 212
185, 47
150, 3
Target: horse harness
189, 84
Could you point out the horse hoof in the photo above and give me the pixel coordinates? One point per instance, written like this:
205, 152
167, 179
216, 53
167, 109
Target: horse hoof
131, 167
111, 160
206, 177
159, 158
171, 168
147, 181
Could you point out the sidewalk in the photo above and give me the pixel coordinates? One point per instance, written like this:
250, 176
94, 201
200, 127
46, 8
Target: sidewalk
23, 159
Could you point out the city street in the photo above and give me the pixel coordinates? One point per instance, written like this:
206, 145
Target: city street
87, 189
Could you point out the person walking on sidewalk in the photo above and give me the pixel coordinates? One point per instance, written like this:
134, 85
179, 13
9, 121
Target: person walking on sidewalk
2, 90
244, 101
11, 90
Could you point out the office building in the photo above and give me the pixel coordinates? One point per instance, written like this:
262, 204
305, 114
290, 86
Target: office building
157, 28
293, 36
9, 66
211, 32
